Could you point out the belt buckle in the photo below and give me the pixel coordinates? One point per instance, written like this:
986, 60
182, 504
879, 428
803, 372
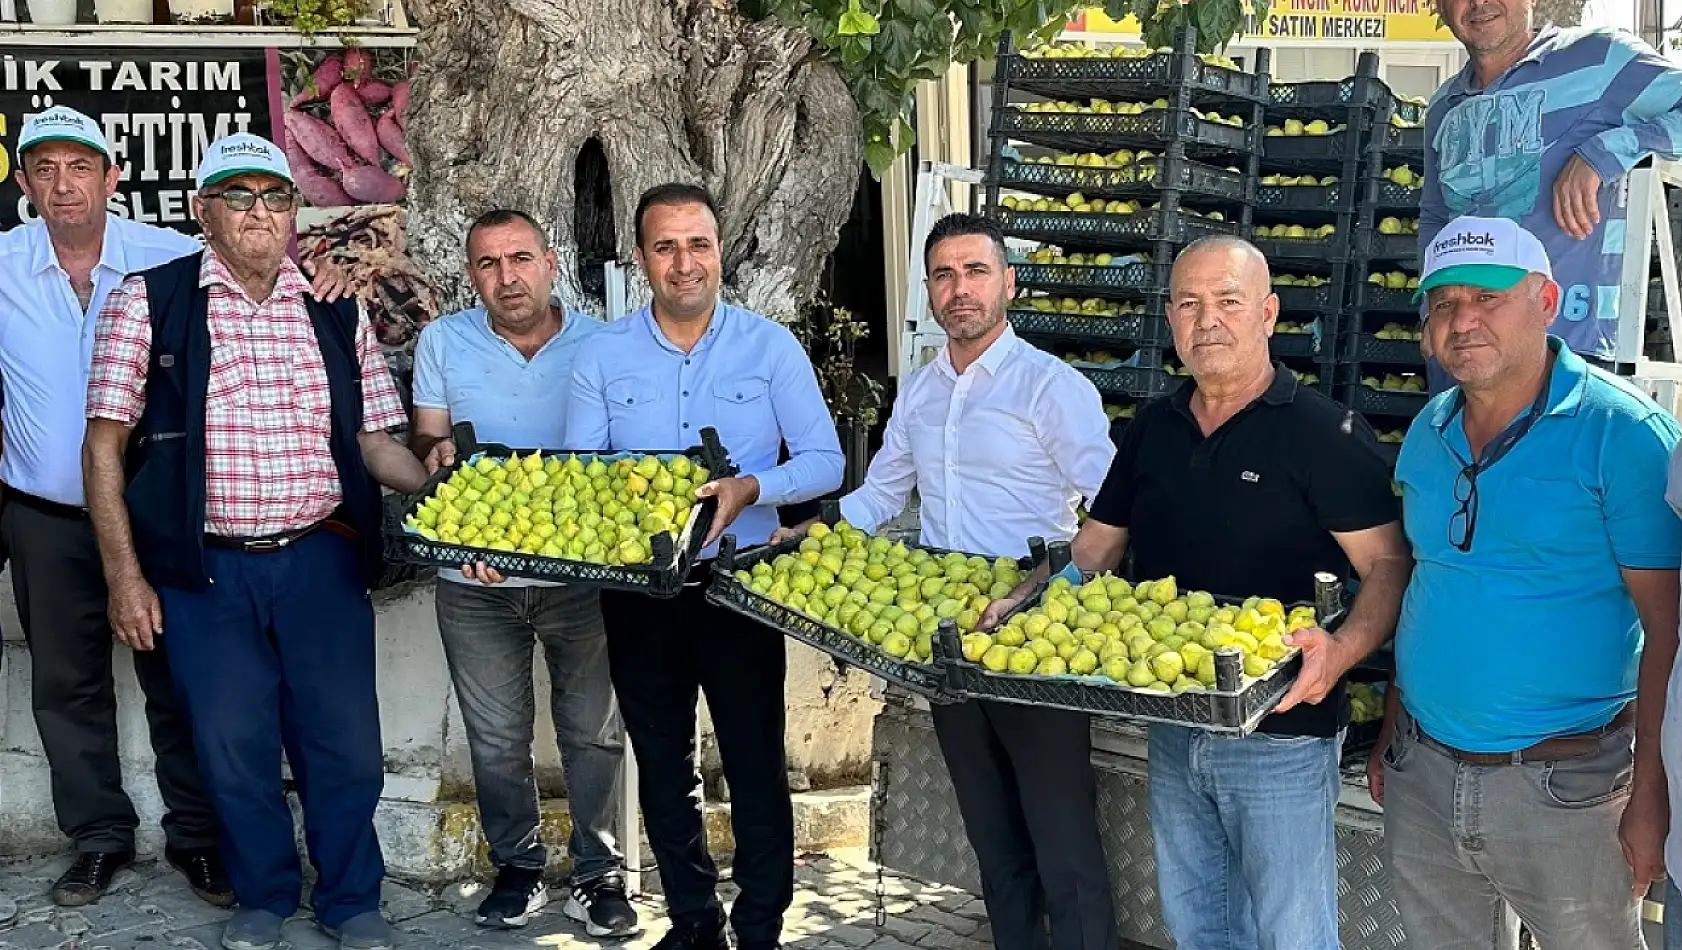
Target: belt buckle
262, 545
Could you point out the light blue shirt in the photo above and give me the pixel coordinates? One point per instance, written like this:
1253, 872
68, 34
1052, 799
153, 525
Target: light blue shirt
1532, 634
466, 368
747, 377
46, 347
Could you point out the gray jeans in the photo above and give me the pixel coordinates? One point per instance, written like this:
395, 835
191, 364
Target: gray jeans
1475, 848
488, 638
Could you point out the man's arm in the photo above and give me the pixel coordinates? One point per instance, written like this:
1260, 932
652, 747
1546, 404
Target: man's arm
429, 432
587, 422
430, 439
1069, 419
1381, 559
1646, 819
1097, 547
390, 463
815, 464
135, 614
1643, 103
892, 475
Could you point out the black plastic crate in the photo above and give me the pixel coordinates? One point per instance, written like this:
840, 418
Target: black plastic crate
1322, 299
1140, 180
1329, 250
1383, 402
1386, 195
1131, 77
1095, 229
1141, 382
1366, 348
1409, 142
1358, 92
1105, 132
1372, 297
1233, 706
1327, 198
1137, 328
1091, 280
1376, 245
662, 577
1305, 345
1307, 151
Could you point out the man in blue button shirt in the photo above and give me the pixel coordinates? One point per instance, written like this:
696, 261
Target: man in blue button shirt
506, 368
1519, 766
654, 380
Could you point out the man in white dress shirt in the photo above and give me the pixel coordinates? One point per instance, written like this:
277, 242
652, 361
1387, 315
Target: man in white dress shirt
1002, 442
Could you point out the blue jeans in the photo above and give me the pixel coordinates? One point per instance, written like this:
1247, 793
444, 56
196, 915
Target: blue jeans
278, 653
1672, 916
1245, 849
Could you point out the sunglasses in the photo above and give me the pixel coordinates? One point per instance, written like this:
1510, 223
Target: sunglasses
244, 199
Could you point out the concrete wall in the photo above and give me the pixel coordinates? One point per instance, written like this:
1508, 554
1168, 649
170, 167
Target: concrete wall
829, 723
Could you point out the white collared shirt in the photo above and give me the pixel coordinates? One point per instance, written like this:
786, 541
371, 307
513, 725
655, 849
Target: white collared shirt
1001, 453
46, 346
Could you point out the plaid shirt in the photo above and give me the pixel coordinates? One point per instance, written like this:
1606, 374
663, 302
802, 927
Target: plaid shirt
268, 465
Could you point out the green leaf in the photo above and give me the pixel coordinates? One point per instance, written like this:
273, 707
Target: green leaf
857, 22
904, 135
855, 49
879, 156
896, 45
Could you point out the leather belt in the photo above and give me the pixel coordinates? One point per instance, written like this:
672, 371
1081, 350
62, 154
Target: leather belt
1559, 747
52, 509
280, 542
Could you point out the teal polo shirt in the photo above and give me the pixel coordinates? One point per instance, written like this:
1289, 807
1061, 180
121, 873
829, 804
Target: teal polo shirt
1532, 634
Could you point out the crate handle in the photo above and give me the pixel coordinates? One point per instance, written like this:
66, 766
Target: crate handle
718, 459
726, 559
829, 511
1328, 598
1229, 669
466, 440
947, 647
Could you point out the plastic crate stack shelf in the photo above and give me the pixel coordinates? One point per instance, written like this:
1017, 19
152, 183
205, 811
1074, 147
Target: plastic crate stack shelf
1306, 209
1381, 371
1103, 165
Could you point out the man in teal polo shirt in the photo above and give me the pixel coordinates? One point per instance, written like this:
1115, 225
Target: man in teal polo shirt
1518, 771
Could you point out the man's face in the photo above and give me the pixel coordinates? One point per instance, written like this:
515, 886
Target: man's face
1483, 336
68, 183
970, 286
1222, 311
681, 257
513, 272
255, 237
1488, 25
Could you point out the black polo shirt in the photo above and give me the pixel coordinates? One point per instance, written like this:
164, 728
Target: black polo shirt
1250, 509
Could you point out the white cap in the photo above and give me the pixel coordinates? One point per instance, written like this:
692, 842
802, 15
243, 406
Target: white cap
63, 124
242, 154
1492, 253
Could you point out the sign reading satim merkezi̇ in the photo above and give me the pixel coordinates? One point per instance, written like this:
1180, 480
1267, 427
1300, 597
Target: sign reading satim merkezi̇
160, 108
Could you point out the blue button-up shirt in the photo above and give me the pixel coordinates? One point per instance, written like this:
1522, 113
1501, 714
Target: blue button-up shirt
1532, 633
46, 347
747, 377
466, 368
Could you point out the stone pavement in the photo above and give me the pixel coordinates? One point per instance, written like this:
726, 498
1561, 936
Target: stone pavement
150, 908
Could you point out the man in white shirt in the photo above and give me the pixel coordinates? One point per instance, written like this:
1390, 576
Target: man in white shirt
55, 274
1002, 441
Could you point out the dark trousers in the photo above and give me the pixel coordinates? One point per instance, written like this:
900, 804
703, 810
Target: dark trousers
61, 597
661, 652
278, 654
1029, 798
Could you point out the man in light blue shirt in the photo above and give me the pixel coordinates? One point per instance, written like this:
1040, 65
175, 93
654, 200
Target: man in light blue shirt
1534, 497
654, 380
507, 368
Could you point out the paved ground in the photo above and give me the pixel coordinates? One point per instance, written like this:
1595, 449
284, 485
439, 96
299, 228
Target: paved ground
150, 908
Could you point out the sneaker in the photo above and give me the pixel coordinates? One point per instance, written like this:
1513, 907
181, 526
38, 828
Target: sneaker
89, 877
601, 906
708, 936
205, 874
366, 931
519, 893
252, 930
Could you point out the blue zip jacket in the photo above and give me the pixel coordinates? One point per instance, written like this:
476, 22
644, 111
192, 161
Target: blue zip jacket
1598, 93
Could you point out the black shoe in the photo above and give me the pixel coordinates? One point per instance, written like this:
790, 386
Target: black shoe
602, 908
89, 877
707, 936
519, 893
204, 872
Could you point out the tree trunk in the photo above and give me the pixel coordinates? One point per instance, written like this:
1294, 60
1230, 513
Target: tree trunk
1560, 12
569, 109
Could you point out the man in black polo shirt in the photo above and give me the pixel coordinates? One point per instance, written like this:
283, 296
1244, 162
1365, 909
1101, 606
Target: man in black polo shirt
1243, 483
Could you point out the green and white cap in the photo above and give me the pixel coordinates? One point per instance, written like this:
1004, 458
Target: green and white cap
1492, 253
242, 154
64, 124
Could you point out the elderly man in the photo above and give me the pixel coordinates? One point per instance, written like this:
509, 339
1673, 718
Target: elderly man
59, 271
1522, 747
654, 380
526, 343
1242, 482
1539, 127
235, 438
1002, 442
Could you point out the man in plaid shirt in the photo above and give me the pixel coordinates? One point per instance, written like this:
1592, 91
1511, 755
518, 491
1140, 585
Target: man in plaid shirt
236, 431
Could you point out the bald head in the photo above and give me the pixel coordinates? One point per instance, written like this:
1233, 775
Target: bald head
1221, 308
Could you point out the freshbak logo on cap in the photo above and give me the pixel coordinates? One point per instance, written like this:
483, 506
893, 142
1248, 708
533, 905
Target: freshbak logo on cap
1464, 239
244, 148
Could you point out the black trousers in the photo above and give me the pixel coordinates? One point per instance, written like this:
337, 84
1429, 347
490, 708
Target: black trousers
1029, 798
662, 652
62, 600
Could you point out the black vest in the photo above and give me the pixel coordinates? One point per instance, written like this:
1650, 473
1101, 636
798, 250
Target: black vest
165, 458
